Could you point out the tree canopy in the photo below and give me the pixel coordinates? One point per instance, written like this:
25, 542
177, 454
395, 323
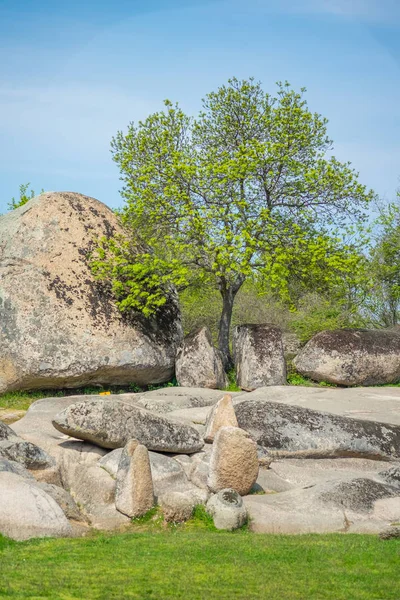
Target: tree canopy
249, 186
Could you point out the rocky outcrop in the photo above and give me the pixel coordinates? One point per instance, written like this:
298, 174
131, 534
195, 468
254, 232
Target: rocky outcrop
26, 511
58, 326
233, 462
111, 424
290, 428
259, 356
352, 357
227, 510
198, 363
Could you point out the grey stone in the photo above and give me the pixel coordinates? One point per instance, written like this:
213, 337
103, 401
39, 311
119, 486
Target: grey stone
258, 356
198, 363
27, 454
391, 476
59, 327
227, 510
352, 357
327, 507
13, 467
6, 432
298, 473
64, 500
285, 427
370, 404
111, 424
134, 494
170, 399
26, 511
200, 469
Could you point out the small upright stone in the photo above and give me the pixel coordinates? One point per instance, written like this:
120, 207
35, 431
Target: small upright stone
227, 510
259, 356
198, 363
220, 415
233, 462
134, 494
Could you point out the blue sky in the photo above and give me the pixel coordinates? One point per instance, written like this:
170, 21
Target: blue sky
73, 73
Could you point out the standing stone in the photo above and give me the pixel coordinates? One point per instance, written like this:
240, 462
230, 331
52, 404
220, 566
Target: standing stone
259, 356
233, 462
352, 357
198, 363
134, 494
59, 327
221, 415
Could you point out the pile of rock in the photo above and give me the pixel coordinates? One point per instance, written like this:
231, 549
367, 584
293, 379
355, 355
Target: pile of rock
333, 457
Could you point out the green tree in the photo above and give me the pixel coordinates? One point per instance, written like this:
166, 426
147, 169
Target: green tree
214, 199
24, 197
384, 298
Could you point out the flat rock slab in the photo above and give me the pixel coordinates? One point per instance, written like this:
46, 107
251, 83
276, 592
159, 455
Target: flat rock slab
334, 506
281, 426
372, 404
293, 473
111, 424
179, 398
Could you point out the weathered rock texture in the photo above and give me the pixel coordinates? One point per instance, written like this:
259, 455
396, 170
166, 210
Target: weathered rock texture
352, 357
258, 355
16, 449
360, 505
177, 506
134, 494
233, 462
293, 428
111, 424
227, 510
27, 511
198, 363
221, 415
58, 326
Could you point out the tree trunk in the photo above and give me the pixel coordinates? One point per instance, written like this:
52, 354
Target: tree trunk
228, 294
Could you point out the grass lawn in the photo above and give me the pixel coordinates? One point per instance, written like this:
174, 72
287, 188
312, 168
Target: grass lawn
201, 564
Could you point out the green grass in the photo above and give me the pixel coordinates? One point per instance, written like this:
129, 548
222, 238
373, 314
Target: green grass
21, 400
200, 564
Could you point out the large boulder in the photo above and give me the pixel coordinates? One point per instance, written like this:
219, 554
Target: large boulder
198, 363
294, 429
111, 424
259, 356
352, 357
58, 326
27, 511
